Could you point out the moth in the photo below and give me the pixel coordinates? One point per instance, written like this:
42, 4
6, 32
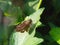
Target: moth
23, 26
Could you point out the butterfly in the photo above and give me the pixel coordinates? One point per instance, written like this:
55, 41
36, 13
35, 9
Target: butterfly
23, 26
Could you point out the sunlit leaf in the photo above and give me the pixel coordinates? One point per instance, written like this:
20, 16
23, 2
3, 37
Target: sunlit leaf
55, 32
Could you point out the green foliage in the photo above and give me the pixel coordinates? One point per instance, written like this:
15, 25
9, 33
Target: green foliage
55, 32
29, 38
14, 15
31, 6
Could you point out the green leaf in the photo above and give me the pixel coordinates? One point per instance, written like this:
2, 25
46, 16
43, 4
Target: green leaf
23, 38
33, 41
55, 33
36, 16
31, 6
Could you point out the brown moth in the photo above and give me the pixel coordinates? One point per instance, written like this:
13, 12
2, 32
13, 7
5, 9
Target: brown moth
23, 26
